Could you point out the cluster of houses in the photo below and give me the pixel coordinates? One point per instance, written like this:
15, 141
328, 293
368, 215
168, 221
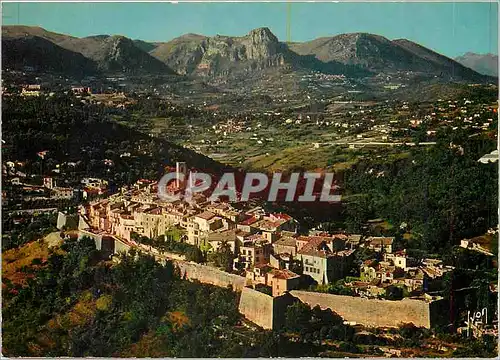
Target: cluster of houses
29, 90
266, 247
397, 269
51, 188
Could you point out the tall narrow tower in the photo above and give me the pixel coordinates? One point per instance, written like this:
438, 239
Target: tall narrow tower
180, 168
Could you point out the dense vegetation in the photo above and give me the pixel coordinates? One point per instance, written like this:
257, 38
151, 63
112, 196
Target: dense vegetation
73, 131
439, 195
17, 231
77, 305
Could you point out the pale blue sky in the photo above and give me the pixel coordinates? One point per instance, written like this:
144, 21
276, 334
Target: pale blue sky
449, 28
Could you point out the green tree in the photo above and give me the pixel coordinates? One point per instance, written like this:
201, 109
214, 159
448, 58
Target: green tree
297, 317
195, 254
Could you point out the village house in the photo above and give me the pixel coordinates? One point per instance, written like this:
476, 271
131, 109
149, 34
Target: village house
81, 90
258, 274
62, 193
415, 280
227, 211
126, 225
255, 251
31, 90
322, 262
380, 244
248, 224
384, 272
285, 245
473, 244
366, 289
216, 239
400, 259
282, 281
150, 222
274, 223
368, 271
201, 224
353, 241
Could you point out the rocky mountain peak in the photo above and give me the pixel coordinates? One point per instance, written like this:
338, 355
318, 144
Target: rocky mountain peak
262, 35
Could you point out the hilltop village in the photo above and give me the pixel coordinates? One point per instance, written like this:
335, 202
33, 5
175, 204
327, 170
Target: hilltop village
263, 247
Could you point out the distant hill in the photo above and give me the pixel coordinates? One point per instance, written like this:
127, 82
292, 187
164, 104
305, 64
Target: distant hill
116, 53
56, 124
354, 55
379, 54
19, 31
43, 55
108, 53
486, 64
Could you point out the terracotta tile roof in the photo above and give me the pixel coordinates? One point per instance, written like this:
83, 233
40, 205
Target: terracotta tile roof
284, 274
206, 215
254, 237
377, 241
242, 233
281, 216
268, 224
286, 241
344, 252
264, 267
316, 246
354, 238
249, 221
221, 206
155, 211
227, 235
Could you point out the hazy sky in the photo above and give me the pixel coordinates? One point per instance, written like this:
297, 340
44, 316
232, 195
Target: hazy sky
449, 28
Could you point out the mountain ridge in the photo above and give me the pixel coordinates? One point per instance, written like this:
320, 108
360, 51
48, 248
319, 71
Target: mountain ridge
486, 64
107, 53
353, 54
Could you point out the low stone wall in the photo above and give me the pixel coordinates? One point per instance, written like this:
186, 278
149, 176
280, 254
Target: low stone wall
210, 275
257, 307
121, 246
96, 237
371, 312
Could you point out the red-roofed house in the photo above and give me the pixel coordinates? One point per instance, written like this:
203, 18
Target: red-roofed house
322, 263
282, 281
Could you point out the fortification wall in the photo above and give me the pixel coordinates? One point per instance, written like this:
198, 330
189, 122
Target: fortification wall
257, 307
121, 246
211, 275
96, 237
371, 312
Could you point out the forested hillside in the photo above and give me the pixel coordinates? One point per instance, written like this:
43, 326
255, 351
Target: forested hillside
75, 131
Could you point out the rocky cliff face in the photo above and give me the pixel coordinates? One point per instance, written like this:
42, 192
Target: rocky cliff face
118, 53
222, 54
